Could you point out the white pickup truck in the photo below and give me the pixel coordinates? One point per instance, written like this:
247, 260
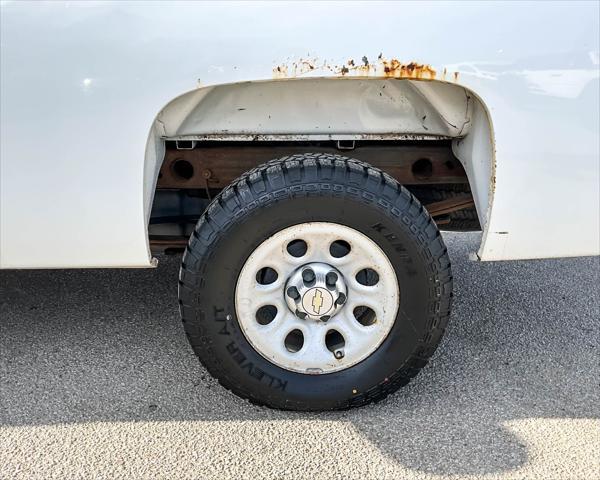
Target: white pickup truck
303, 158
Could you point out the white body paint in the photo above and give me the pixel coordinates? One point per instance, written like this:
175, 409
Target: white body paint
81, 84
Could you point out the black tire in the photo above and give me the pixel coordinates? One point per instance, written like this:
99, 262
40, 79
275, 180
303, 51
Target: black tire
286, 192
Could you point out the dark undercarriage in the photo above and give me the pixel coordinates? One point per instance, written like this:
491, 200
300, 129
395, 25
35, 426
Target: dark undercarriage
193, 173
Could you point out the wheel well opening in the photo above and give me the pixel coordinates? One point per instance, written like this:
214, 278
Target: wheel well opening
190, 178
434, 137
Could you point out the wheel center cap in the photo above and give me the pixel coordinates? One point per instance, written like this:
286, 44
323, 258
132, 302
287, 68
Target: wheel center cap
316, 291
317, 301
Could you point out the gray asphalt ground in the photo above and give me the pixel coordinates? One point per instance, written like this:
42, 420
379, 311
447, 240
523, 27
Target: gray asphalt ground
98, 381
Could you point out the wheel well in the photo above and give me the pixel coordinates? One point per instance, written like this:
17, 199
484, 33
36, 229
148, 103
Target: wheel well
190, 177
434, 137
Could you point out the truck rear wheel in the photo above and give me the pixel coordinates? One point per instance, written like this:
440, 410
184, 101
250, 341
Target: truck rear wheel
315, 282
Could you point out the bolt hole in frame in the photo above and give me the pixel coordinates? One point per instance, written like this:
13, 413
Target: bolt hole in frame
183, 169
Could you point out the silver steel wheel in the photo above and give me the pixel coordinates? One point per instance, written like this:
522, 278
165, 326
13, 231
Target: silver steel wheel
317, 298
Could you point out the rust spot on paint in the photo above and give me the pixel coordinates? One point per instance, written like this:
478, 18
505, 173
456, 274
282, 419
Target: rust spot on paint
380, 67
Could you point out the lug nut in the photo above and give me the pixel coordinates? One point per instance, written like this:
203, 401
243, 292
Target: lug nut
293, 293
341, 299
300, 314
308, 276
339, 354
324, 318
331, 279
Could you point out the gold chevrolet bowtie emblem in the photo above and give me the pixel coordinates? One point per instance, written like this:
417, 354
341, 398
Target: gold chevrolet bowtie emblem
317, 301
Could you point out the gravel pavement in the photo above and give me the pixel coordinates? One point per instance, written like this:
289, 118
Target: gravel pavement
97, 381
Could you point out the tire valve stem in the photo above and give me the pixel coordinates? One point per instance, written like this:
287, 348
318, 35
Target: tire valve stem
339, 354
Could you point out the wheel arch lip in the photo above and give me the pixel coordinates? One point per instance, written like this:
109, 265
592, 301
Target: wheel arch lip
338, 108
